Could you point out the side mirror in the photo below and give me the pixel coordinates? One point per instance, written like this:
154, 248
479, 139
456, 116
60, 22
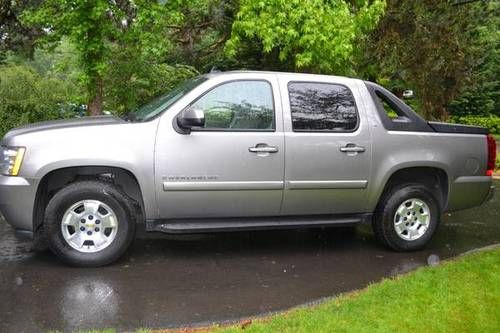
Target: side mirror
408, 94
191, 117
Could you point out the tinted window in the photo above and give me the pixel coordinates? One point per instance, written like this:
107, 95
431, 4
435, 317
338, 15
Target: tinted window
322, 107
239, 105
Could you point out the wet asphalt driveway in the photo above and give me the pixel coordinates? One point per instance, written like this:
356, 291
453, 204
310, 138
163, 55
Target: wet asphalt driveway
167, 281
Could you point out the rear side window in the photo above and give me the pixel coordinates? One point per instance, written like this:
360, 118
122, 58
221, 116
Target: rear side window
322, 107
390, 108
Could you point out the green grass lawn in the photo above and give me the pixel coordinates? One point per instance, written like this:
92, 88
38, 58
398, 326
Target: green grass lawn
457, 296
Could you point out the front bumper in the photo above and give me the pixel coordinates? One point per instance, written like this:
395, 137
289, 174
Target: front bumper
17, 199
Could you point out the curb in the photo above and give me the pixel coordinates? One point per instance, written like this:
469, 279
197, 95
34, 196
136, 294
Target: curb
481, 249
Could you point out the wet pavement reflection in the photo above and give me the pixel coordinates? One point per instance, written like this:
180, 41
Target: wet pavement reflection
167, 281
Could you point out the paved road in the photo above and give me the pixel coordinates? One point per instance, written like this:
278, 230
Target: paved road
172, 281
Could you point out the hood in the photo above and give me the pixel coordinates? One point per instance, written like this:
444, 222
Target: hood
64, 123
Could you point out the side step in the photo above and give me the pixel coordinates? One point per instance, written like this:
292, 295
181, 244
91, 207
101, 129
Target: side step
186, 226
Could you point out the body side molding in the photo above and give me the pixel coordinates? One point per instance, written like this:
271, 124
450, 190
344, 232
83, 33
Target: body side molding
326, 184
223, 186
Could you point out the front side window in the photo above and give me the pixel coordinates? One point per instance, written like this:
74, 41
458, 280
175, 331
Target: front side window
238, 105
322, 107
156, 106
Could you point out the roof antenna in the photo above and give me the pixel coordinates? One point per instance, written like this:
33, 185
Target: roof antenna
214, 70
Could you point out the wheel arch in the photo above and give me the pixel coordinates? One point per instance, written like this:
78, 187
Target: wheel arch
434, 177
56, 179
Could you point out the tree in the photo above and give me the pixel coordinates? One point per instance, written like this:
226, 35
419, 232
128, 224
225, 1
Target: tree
305, 35
482, 98
14, 34
429, 46
93, 26
26, 96
202, 29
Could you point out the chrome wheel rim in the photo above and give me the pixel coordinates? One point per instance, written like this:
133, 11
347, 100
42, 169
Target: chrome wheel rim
89, 226
412, 219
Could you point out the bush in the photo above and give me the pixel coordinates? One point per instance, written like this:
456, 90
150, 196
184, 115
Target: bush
492, 123
130, 81
26, 97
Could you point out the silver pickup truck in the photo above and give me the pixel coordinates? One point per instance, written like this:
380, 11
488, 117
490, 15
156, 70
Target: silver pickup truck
238, 151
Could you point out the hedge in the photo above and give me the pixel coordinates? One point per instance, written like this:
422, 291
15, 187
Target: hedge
492, 123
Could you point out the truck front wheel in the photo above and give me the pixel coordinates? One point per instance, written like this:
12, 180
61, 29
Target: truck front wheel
89, 223
407, 217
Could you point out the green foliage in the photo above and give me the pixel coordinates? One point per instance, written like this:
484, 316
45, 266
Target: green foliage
428, 46
482, 97
26, 97
490, 122
14, 35
123, 45
200, 32
311, 35
139, 84
85, 23
94, 26
59, 63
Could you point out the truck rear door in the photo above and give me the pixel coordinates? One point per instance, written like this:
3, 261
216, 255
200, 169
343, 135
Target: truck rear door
328, 146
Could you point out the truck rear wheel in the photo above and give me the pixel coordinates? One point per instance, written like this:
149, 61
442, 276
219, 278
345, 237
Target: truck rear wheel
407, 217
89, 223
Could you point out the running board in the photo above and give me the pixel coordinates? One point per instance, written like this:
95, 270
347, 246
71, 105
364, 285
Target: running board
187, 226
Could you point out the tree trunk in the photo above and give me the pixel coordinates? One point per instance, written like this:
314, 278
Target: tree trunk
426, 109
95, 103
443, 113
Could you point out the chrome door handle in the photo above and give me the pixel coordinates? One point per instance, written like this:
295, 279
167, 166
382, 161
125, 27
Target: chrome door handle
263, 148
352, 148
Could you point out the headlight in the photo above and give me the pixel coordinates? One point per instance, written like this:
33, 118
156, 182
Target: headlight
10, 160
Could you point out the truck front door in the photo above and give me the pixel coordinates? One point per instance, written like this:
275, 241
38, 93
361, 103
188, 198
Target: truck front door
234, 165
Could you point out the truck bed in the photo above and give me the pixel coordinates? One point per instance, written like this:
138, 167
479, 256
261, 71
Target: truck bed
457, 128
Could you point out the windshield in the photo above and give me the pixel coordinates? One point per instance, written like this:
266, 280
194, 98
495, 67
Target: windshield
159, 104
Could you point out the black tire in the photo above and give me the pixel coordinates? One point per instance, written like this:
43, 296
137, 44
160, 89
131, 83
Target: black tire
383, 221
108, 194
